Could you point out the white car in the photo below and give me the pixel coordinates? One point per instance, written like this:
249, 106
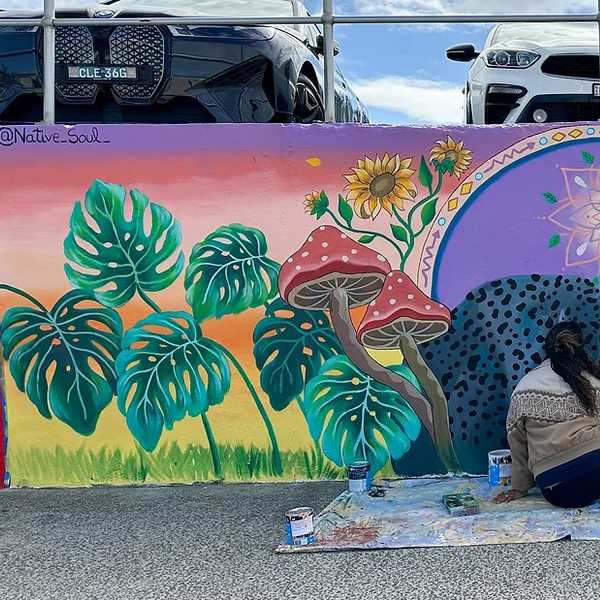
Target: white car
534, 72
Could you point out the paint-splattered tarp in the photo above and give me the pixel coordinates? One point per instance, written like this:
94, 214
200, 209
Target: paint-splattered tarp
411, 514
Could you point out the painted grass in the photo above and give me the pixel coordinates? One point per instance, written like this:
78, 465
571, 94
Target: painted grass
168, 464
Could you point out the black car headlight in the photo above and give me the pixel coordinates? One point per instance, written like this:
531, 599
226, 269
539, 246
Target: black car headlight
510, 59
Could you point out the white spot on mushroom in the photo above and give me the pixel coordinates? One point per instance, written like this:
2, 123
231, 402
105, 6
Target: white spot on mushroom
411, 297
345, 259
298, 267
375, 313
390, 274
324, 258
354, 251
324, 244
322, 228
304, 254
380, 258
290, 260
400, 279
310, 238
392, 301
343, 236
390, 287
428, 307
442, 306
372, 303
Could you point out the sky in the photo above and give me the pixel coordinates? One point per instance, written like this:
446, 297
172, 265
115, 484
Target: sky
401, 72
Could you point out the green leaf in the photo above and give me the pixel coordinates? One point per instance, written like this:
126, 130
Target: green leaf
587, 157
425, 175
400, 233
366, 239
357, 418
428, 211
64, 359
290, 344
166, 371
345, 210
229, 272
550, 198
445, 166
321, 206
554, 240
125, 259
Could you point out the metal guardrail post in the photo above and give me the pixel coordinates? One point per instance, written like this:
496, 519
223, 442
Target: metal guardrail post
329, 43
49, 61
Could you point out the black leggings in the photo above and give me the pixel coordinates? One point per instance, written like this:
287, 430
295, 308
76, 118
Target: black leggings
574, 484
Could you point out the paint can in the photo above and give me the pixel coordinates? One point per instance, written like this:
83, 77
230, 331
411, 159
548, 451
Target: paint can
359, 476
299, 525
499, 468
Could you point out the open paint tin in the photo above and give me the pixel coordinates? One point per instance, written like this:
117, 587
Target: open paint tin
359, 476
499, 468
300, 528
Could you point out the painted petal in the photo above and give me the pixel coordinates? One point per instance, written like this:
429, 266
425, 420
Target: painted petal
586, 217
375, 210
580, 182
562, 216
369, 165
377, 170
386, 205
357, 186
581, 250
385, 161
363, 175
361, 164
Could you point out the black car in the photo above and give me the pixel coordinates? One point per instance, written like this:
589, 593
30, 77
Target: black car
172, 74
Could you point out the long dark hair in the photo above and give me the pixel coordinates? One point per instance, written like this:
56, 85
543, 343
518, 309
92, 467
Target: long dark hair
564, 346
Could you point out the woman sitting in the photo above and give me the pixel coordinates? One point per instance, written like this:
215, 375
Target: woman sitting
553, 424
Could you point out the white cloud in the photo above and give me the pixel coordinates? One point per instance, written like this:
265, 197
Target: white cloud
465, 7
420, 100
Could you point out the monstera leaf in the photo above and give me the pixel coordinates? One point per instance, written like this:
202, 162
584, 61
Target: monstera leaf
64, 359
230, 272
356, 417
290, 345
168, 370
112, 255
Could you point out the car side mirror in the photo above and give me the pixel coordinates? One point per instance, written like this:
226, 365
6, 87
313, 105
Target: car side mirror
462, 53
321, 46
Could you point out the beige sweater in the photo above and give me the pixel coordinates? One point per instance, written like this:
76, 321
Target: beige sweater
547, 426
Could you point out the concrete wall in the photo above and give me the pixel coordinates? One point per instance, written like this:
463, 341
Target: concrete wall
180, 303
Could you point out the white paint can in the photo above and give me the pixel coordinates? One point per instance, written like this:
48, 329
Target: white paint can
499, 468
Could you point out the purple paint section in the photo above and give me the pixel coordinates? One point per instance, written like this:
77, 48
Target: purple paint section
505, 229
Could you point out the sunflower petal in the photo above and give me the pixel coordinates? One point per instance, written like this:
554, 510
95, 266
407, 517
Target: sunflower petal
377, 170
363, 176
369, 165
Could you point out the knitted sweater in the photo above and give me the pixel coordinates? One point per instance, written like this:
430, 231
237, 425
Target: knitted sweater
547, 425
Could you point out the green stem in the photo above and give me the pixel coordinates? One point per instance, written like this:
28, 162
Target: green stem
366, 231
432, 194
19, 292
214, 449
277, 466
411, 238
148, 300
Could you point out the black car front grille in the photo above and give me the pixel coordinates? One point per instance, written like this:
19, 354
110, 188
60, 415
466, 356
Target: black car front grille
75, 46
138, 46
576, 66
143, 47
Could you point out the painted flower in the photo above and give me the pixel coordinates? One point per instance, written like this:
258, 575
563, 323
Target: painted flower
310, 201
579, 216
451, 157
380, 183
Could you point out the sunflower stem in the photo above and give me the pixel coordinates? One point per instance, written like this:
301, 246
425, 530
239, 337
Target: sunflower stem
148, 300
367, 232
420, 203
23, 294
214, 448
276, 455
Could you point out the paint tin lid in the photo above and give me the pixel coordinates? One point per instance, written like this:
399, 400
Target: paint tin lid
360, 464
297, 514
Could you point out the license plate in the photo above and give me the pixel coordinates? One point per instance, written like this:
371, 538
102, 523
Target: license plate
93, 73
596, 90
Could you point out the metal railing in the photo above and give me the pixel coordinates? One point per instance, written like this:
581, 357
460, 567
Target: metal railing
327, 20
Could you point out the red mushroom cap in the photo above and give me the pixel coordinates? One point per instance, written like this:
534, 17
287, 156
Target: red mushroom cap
329, 260
402, 309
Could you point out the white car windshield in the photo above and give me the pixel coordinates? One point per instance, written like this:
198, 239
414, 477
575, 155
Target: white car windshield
546, 33
218, 8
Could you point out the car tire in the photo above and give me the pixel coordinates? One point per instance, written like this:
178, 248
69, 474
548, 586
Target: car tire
308, 103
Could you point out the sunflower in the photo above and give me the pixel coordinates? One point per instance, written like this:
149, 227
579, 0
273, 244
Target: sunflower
380, 183
310, 201
451, 157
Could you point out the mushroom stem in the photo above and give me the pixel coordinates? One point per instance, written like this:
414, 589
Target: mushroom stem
439, 405
344, 328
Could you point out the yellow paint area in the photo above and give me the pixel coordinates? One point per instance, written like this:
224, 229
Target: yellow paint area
387, 357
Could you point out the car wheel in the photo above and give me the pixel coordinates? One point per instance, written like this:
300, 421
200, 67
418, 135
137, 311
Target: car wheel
308, 105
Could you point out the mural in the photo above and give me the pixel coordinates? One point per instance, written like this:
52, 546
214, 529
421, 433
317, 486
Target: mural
190, 303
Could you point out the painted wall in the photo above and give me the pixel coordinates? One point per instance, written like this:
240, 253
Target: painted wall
181, 303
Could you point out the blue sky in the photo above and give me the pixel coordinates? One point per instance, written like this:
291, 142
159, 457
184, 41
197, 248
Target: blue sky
401, 72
